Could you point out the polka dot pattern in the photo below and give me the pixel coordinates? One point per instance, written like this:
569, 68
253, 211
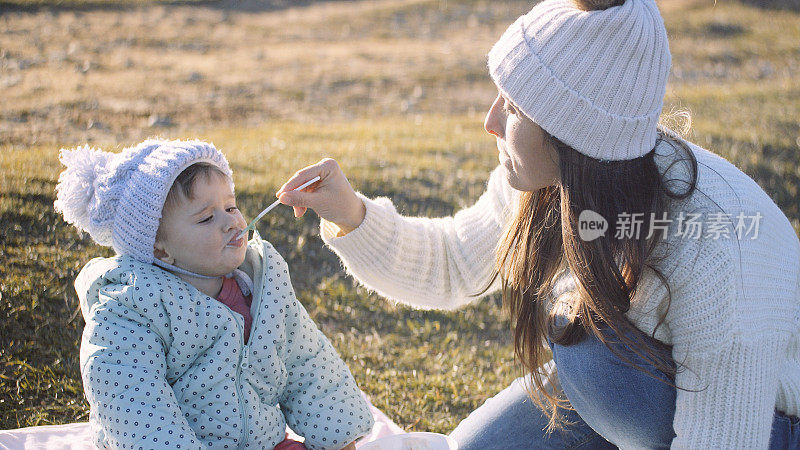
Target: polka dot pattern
165, 366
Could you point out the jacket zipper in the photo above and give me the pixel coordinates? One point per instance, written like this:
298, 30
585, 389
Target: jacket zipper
239, 382
246, 346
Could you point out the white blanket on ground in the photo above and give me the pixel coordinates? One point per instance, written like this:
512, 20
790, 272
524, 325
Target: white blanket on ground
76, 436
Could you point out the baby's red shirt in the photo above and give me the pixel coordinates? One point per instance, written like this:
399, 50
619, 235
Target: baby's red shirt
232, 297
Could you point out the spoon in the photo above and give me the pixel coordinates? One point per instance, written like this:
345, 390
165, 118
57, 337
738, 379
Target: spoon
269, 208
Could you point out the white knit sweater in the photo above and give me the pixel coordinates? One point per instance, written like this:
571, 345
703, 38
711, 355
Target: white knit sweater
734, 320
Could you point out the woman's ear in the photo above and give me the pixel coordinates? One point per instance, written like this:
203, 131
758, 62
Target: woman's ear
160, 252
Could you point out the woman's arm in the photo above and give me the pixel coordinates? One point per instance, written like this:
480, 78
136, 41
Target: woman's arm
423, 262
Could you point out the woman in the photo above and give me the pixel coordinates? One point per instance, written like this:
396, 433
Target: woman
678, 330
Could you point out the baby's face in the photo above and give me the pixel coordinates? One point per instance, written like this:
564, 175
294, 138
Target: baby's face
199, 234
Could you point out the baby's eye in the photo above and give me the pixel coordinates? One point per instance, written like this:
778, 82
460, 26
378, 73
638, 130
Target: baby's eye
232, 208
207, 219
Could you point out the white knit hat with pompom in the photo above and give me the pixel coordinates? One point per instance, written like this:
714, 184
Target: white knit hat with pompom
118, 197
594, 79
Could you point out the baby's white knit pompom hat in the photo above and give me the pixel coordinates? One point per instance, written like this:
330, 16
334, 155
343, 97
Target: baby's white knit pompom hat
593, 79
118, 197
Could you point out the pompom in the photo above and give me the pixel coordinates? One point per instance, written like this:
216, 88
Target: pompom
597, 5
77, 185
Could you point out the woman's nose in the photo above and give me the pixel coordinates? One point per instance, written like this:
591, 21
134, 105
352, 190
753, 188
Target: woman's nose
493, 124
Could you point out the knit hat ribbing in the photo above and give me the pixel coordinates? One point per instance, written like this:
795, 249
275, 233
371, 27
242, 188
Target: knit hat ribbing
593, 79
118, 197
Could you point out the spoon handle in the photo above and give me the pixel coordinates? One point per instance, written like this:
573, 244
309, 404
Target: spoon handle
269, 208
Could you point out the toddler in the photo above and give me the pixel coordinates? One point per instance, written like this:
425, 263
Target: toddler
194, 338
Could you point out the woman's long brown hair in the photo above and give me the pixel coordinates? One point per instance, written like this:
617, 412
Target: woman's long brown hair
543, 239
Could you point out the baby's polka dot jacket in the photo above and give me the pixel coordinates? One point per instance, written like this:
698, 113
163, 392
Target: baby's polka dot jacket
166, 366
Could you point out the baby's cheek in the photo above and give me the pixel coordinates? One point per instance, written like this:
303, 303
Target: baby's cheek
242, 253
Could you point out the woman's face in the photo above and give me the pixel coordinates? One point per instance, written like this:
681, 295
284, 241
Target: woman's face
530, 162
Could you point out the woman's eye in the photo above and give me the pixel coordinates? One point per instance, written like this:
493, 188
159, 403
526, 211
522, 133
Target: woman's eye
232, 208
510, 109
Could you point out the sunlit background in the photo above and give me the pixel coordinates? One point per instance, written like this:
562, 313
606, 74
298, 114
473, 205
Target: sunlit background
394, 89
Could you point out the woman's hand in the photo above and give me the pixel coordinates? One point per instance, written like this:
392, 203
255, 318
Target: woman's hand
332, 197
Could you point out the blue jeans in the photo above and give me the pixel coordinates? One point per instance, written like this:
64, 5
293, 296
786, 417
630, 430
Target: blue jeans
612, 402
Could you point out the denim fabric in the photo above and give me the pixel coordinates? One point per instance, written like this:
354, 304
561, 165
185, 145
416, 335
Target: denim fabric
613, 402
625, 405
510, 420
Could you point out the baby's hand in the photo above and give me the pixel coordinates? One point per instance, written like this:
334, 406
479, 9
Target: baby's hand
332, 197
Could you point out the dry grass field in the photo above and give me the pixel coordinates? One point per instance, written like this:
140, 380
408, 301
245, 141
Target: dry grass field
394, 89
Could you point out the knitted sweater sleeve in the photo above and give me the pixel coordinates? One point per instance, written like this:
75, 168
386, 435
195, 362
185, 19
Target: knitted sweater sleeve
727, 354
427, 263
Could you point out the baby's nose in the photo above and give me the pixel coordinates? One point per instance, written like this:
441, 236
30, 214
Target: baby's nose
235, 221
240, 222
